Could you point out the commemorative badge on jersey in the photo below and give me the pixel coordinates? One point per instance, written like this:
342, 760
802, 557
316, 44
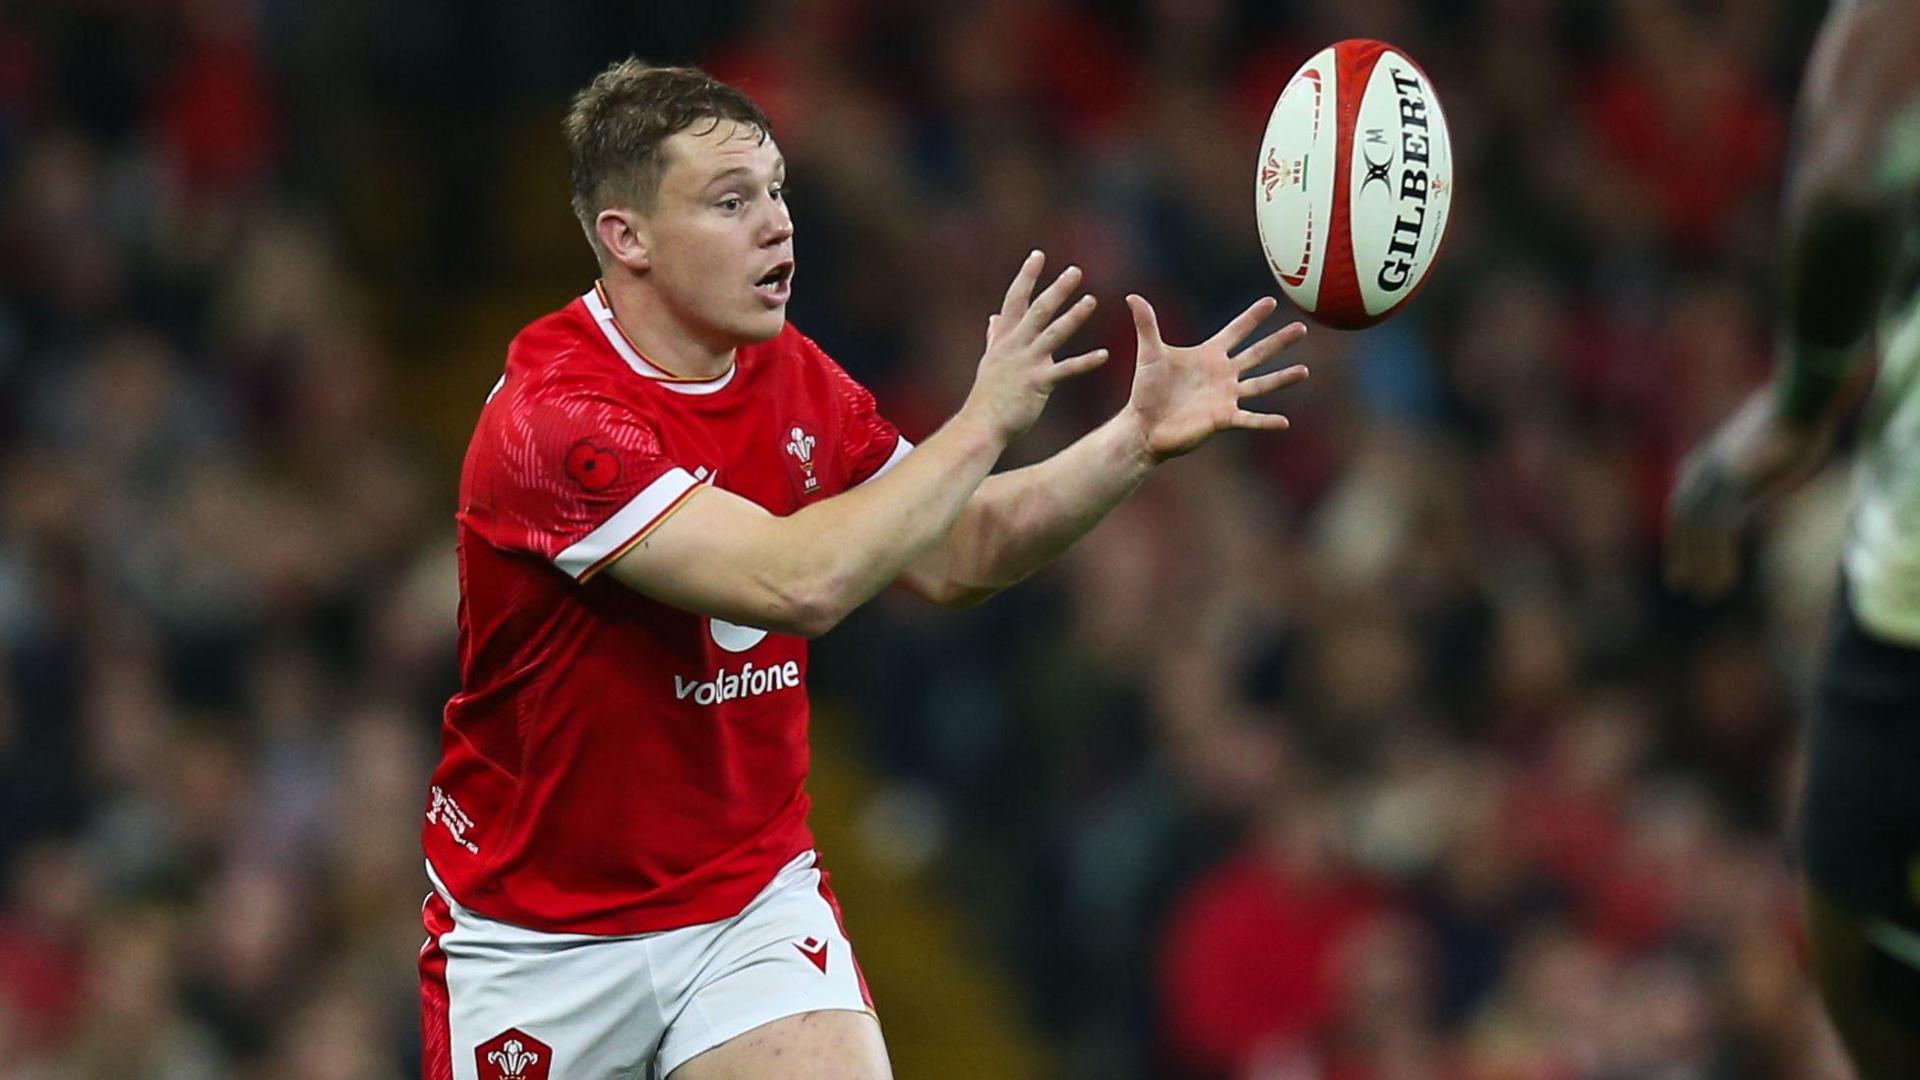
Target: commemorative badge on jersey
800, 448
592, 466
513, 1055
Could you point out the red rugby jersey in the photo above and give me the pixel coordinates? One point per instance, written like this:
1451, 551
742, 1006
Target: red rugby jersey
613, 765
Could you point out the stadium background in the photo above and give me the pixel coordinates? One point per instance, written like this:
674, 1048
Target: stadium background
1370, 751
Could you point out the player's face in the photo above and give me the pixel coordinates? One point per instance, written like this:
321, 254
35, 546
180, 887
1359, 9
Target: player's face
721, 251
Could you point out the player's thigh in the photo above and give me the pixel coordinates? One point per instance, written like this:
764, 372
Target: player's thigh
1868, 971
745, 990
832, 1044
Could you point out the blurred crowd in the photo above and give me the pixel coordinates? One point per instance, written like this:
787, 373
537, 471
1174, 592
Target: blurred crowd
221, 572
1370, 751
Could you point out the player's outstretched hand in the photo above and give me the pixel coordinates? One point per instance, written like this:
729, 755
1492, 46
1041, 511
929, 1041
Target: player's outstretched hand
1721, 485
1705, 515
1182, 396
1017, 371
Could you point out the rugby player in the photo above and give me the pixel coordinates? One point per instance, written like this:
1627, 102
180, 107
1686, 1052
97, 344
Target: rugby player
668, 492
1850, 323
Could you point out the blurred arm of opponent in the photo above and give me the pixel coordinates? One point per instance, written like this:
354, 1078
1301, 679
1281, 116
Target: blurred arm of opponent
1839, 240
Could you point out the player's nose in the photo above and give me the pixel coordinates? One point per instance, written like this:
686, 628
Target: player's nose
779, 226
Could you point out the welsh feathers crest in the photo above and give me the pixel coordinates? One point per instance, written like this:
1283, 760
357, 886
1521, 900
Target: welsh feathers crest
800, 444
513, 1055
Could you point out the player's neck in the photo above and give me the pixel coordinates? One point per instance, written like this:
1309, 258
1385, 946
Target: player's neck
652, 329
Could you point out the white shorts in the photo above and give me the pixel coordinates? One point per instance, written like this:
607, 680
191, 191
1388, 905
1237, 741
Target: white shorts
502, 1002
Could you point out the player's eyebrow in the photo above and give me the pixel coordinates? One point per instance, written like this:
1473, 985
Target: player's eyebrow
779, 173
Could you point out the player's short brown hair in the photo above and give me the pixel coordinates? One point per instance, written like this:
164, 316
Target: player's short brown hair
618, 125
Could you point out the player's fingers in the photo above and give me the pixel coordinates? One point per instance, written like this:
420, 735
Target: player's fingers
1259, 421
1020, 290
1268, 347
1068, 324
1245, 323
1076, 365
1050, 299
1272, 380
1145, 322
993, 323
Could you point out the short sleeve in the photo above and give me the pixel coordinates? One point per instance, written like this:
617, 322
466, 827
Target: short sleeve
571, 475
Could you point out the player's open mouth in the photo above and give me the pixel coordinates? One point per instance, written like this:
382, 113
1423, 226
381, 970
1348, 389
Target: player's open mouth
777, 284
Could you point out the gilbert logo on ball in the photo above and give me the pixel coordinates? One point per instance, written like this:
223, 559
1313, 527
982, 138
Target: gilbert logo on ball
1354, 183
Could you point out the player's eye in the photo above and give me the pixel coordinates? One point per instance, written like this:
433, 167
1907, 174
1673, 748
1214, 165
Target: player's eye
778, 191
731, 204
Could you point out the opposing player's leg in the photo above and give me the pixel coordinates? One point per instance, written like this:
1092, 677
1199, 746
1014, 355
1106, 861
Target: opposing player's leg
1868, 970
833, 1044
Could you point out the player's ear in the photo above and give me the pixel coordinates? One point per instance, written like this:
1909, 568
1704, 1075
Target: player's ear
623, 236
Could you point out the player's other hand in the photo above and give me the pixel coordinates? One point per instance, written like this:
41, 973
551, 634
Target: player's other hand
1183, 395
1720, 486
1017, 371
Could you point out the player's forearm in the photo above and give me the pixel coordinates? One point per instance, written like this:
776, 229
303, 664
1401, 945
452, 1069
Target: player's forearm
1021, 520
845, 550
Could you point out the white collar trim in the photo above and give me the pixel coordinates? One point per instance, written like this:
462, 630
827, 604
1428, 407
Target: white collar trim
603, 315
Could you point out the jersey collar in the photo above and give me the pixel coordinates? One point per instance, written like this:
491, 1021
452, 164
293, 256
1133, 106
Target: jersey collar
602, 311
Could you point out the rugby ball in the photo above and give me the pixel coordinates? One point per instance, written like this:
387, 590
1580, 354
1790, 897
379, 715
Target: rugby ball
1354, 183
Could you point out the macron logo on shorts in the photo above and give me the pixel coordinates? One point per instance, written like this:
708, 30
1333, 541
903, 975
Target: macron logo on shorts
513, 1055
815, 951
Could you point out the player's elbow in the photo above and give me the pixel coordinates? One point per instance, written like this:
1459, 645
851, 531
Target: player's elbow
814, 621
811, 588
809, 608
795, 614
941, 589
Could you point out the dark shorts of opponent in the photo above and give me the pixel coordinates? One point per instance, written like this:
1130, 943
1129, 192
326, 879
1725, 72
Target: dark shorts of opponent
1860, 823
